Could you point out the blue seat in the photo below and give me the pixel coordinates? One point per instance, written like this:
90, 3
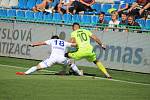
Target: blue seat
29, 15
147, 24
116, 6
20, 14
47, 17
122, 5
57, 17
31, 4
141, 22
11, 13
90, 13
22, 4
67, 18
38, 16
117, 1
76, 18
38, 2
94, 19
108, 18
105, 7
3, 13
132, 1
97, 7
86, 19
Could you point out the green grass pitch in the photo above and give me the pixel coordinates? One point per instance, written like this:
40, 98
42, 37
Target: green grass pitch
43, 85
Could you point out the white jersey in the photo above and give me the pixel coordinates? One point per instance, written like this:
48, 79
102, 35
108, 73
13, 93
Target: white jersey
58, 46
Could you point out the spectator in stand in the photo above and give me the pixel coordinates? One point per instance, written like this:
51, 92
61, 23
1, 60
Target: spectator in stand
65, 6
141, 8
82, 5
132, 24
102, 22
123, 23
114, 22
124, 6
46, 5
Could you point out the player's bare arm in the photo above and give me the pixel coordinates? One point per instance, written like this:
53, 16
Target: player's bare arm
96, 39
72, 40
37, 44
73, 44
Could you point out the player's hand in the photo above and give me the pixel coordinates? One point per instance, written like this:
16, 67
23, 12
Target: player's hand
103, 46
31, 45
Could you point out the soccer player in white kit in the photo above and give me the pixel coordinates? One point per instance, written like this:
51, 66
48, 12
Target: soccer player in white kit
58, 47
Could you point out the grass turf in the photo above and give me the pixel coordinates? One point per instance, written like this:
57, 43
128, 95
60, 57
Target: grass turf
42, 86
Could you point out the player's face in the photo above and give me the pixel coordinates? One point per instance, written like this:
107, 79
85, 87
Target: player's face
75, 27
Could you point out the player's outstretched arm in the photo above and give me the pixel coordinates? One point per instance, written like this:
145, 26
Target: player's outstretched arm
73, 44
72, 40
37, 44
96, 39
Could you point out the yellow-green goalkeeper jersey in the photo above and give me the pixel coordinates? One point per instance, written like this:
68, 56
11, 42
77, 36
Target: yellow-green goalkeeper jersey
82, 37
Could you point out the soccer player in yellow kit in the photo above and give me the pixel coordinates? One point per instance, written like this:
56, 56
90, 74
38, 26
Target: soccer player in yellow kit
85, 50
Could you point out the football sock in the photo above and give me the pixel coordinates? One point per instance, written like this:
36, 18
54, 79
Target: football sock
102, 68
75, 68
31, 70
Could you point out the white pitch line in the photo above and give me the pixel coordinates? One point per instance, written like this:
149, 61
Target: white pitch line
23, 68
137, 83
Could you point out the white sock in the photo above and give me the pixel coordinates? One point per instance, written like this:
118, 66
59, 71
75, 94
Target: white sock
31, 70
75, 68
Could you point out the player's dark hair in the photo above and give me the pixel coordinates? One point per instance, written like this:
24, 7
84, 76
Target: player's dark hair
55, 37
75, 24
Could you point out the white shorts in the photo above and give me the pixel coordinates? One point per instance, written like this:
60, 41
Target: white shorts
53, 59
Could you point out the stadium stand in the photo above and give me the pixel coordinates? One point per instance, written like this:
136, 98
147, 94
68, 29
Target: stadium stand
23, 11
20, 14
3, 13
57, 18
47, 17
147, 24
13, 3
67, 18
97, 8
86, 19
76, 18
38, 2
94, 20
4, 3
22, 4
105, 7
31, 4
141, 22
11, 13
29, 15
38, 16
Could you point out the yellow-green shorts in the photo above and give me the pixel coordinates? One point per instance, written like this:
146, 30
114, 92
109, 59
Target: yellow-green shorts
90, 56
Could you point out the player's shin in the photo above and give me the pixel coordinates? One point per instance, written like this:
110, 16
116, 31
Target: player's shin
75, 68
102, 68
31, 70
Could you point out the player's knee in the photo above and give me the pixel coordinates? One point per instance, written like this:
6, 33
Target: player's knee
70, 62
39, 67
95, 61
